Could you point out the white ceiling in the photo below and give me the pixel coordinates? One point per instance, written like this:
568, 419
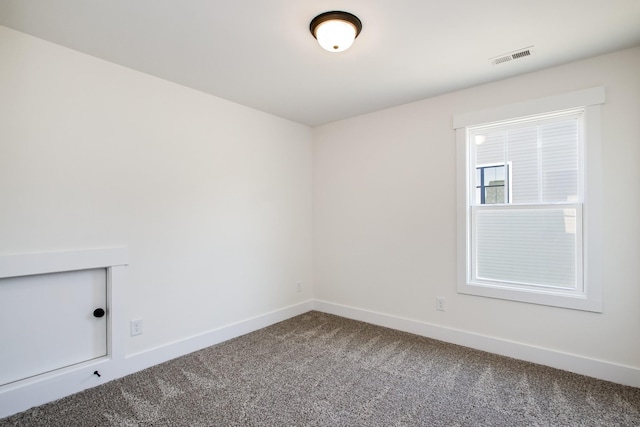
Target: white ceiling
260, 53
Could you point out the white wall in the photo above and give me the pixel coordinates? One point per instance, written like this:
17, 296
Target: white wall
385, 216
213, 199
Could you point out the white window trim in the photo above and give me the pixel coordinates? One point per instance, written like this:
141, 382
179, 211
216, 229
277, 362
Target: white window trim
591, 99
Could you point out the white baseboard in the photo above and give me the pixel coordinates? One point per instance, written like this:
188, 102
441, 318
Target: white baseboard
139, 361
607, 371
22, 395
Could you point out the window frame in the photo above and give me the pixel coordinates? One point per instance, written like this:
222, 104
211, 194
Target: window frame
589, 298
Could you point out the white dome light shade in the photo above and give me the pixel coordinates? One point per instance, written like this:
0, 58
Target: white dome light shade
335, 31
335, 35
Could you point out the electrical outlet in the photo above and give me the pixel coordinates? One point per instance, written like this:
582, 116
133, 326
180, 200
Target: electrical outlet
299, 287
440, 304
136, 327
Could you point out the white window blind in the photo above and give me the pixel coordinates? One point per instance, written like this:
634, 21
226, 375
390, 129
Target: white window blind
527, 247
531, 237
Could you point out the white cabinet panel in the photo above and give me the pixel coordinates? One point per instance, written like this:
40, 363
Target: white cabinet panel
47, 322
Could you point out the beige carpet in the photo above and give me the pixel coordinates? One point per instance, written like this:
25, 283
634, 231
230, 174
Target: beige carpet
322, 370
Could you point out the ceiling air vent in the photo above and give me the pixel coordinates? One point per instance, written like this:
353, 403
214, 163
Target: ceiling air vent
520, 53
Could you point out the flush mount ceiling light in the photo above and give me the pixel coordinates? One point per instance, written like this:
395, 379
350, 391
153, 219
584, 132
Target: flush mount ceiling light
335, 30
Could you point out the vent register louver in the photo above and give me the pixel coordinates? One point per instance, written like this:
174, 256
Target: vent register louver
517, 54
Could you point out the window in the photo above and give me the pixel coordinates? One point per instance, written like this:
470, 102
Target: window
490, 184
524, 221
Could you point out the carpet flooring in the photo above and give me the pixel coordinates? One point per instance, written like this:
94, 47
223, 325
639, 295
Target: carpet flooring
322, 370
